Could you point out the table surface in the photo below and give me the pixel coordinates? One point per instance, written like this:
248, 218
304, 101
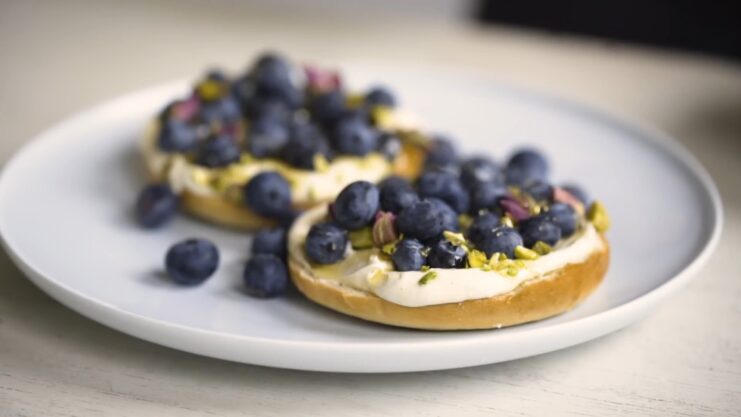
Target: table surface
60, 57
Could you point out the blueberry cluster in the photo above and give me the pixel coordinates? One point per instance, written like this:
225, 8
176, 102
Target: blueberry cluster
455, 207
268, 112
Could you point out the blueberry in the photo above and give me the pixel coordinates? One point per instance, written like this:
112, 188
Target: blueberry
480, 170
224, 110
422, 220
565, 218
326, 243
450, 217
441, 153
156, 205
577, 192
268, 194
269, 107
177, 136
380, 96
218, 151
266, 137
270, 241
353, 136
540, 191
191, 261
501, 239
272, 73
444, 254
445, 186
484, 196
265, 276
328, 107
408, 255
525, 166
305, 141
389, 145
481, 227
541, 227
396, 194
216, 74
356, 205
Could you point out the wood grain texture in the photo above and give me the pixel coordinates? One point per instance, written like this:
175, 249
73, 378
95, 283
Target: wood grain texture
684, 360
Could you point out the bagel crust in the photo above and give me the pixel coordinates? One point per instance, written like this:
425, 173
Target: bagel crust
534, 299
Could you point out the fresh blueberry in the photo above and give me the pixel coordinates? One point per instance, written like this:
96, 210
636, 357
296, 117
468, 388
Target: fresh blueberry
328, 107
540, 191
380, 96
177, 136
408, 255
356, 205
482, 226
305, 141
272, 73
444, 254
577, 192
541, 227
564, 216
326, 243
389, 145
422, 220
501, 239
191, 261
268, 194
396, 194
445, 186
270, 241
525, 166
484, 196
156, 205
224, 110
266, 137
216, 74
441, 153
263, 106
265, 276
353, 136
450, 217
480, 170
218, 151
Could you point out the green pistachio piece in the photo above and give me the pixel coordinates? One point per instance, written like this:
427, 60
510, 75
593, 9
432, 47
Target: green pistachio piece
522, 252
429, 276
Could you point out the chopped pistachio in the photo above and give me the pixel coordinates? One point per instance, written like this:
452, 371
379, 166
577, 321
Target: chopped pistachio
597, 214
476, 259
507, 221
542, 248
361, 238
354, 100
389, 248
210, 90
427, 277
246, 158
455, 238
512, 271
522, 252
465, 220
201, 176
382, 115
376, 277
320, 163
425, 268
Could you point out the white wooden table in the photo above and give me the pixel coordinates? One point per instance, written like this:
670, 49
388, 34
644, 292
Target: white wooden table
59, 57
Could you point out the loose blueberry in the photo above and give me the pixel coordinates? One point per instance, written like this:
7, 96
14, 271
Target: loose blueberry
525, 166
326, 243
445, 186
408, 255
326, 108
266, 137
270, 241
422, 220
444, 254
441, 153
501, 239
389, 145
380, 96
304, 143
450, 217
480, 170
156, 205
356, 205
265, 276
540, 191
482, 226
396, 194
541, 227
577, 192
353, 136
191, 261
268, 194
177, 136
564, 216
484, 196
218, 152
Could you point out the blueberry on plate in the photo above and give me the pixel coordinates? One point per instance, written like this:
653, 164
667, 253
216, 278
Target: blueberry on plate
268, 194
539, 190
177, 136
218, 151
191, 261
441, 153
352, 135
409, 255
480, 170
482, 226
422, 220
444, 254
389, 145
265, 276
541, 228
326, 243
155, 205
484, 196
501, 239
396, 194
577, 192
305, 141
565, 218
525, 166
450, 217
271, 241
380, 96
266, 137
356, 205
328, 107
445, 186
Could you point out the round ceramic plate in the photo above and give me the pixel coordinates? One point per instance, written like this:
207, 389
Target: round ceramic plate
65, 217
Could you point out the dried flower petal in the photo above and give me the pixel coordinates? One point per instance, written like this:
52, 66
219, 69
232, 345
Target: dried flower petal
562, 196
186, 109
514, 208
384, 231
320, 80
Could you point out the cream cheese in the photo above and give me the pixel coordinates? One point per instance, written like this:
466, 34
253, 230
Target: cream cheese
367, 271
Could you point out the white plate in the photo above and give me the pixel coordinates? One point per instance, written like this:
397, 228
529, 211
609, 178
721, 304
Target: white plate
65, 203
